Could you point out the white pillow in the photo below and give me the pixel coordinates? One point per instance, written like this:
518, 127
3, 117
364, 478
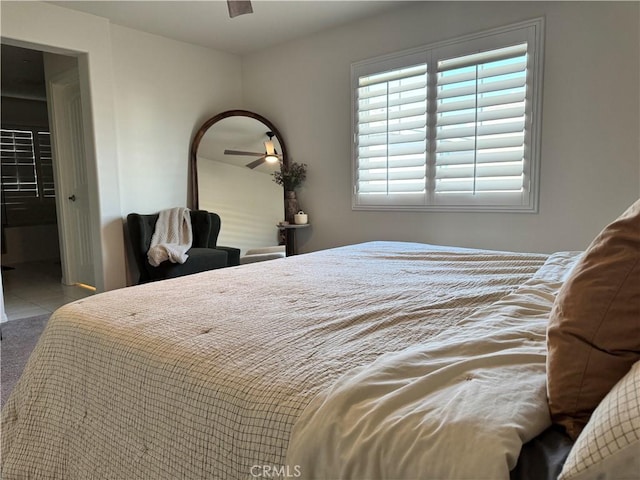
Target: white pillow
609, 445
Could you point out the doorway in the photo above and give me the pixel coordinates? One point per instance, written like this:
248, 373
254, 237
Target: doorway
35, 220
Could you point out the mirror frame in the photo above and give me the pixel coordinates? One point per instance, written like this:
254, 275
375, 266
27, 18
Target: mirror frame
195, 143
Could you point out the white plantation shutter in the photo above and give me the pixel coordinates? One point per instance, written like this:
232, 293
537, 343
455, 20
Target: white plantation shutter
27, 175
19, 177
392, 135
480, 126
453, 125
46, 165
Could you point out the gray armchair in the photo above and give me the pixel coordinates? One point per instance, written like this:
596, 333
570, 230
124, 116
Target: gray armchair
204, 253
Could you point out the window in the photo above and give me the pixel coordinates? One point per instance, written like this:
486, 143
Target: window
28, 194
452, 126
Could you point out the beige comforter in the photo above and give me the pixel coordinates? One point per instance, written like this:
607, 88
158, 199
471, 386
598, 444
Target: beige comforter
458, 407
205, 376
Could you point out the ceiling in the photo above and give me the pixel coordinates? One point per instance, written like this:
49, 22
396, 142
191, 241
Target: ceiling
207, 23
201, 22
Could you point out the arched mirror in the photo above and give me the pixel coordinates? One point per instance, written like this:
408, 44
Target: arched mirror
233, 157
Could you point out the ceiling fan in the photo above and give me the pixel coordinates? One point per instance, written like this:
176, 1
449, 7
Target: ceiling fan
270, 155
239, 7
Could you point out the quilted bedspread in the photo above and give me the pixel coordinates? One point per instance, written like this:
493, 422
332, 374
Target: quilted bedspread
205, 376
458, 407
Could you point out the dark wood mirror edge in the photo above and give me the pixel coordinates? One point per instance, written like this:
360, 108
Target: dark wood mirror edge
195, 143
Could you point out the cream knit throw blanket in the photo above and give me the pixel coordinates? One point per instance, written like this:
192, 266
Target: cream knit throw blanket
172, 237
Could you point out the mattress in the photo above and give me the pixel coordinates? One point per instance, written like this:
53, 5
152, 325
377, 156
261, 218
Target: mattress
207, 376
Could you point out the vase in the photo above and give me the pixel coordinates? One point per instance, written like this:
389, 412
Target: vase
290, 206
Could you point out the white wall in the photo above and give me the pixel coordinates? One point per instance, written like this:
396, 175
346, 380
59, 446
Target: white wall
590, 152
164, 90
148, 96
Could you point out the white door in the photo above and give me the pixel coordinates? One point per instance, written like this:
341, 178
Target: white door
72, 192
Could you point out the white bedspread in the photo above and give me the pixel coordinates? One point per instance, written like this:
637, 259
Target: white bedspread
205, 376
457, 407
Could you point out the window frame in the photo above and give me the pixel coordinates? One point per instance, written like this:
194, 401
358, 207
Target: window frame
531, 31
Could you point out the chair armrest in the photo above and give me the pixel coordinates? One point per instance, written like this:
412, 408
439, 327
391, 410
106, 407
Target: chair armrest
233, 255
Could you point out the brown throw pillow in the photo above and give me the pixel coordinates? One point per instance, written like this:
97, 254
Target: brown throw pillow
593, 337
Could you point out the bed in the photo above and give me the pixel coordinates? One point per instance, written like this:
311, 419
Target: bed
377, 360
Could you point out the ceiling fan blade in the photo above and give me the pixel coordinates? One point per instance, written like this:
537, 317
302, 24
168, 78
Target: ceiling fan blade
244, 154
256, 163
239, 7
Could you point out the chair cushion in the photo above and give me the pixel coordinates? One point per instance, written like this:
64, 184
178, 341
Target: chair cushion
200, 260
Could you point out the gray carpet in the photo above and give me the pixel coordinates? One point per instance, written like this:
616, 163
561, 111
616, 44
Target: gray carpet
19, 337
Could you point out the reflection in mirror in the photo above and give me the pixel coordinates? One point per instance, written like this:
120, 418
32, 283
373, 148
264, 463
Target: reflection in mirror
235, 181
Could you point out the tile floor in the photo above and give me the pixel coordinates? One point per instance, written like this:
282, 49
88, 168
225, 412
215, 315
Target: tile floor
34, 288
